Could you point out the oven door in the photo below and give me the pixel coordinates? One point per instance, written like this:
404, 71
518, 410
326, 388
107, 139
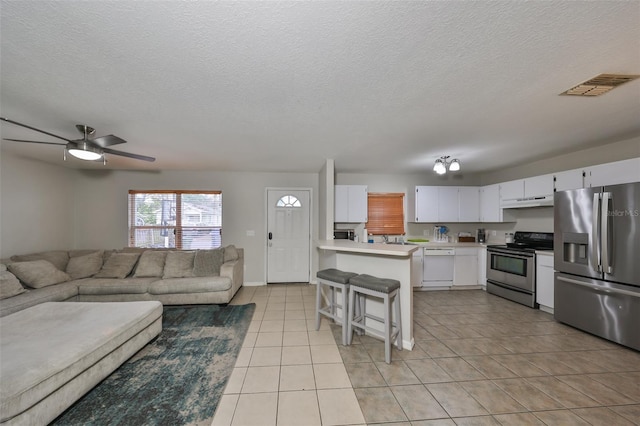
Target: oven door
511, 268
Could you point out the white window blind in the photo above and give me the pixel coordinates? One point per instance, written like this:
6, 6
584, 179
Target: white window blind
175, 219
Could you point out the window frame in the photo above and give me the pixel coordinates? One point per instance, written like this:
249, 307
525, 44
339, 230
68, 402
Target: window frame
179, 228
385, 213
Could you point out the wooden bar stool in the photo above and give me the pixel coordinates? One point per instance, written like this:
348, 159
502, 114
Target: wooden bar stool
334, 279
382, 288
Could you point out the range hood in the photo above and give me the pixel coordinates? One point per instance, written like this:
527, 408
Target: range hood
522, 203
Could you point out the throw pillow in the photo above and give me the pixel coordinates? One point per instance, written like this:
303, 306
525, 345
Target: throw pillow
38, 273
58, 258
85, 266
151, 264
118, 265
9, 284
207, 263
230, 253
179, 264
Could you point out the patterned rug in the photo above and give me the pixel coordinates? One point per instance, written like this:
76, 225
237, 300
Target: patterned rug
177, 379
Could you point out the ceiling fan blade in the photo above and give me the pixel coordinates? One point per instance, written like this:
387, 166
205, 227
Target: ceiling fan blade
33, 128
44, 143
105, 141
128, 154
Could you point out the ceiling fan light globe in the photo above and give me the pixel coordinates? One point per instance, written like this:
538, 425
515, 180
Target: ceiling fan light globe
439, 167
454, 166
84, 151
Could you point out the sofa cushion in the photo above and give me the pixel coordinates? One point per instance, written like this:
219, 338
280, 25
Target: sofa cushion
53, 293
151, 264
59, 258
101, 286
85, 265
179, 264
118, 265
9, 284
38, 273
207, 263
230, 253
190, 285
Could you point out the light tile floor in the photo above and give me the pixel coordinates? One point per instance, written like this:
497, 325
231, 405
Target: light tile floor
478, 360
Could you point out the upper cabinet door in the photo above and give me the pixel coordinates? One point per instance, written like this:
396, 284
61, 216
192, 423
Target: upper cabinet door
512, 190
426, 204
490, 210
448, 207
469, 203
625, 171
538, 186
570, 179
350, 203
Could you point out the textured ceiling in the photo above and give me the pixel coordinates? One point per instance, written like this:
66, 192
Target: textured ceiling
282, 86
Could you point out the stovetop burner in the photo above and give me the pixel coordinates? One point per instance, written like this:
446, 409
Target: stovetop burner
529, 241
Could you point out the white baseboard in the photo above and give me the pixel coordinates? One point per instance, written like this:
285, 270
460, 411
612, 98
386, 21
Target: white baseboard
253, 284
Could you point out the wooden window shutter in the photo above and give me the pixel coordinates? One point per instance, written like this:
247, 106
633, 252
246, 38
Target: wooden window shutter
385, 214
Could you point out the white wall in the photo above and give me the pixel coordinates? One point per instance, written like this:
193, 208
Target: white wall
102, 207
36, 206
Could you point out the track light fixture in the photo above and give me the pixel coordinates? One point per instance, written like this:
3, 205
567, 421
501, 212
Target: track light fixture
441, 165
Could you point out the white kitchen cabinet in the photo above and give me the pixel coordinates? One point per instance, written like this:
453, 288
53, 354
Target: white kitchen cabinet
625, 171
490, 210
448, 207
482, 266
569, 179
425, 204
350, 203
469, 204
512, 190
538, 186
465, 267
544, 282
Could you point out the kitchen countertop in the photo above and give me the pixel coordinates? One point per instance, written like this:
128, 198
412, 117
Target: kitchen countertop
544, 252
368, 248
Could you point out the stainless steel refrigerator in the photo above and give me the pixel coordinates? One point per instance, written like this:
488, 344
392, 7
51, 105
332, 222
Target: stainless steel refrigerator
597, 261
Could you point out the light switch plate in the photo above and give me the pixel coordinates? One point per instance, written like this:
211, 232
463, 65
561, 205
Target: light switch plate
251, 233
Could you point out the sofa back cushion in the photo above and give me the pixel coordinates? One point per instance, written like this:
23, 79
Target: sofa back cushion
230, 253
179, 264
151, 264
207, 263
118, 265
59, 258
38, 273
9, 284
85, 265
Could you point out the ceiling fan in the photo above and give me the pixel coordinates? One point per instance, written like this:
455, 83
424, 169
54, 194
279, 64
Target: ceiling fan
88, 148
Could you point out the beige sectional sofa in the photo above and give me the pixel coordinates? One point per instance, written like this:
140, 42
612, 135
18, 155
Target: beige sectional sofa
53, 353
173, 277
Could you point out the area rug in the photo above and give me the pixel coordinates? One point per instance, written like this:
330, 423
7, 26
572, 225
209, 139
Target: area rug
177, 379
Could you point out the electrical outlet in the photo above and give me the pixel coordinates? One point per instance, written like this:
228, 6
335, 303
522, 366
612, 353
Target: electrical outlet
426, 232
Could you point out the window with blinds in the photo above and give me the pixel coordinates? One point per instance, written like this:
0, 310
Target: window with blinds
385, 213
175, 219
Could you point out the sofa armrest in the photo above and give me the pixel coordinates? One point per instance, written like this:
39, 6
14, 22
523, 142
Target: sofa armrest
234, 270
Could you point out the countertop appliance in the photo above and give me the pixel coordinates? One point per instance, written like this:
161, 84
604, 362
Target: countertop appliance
437, 270
511, 268
344, 234
482, 235
597, 278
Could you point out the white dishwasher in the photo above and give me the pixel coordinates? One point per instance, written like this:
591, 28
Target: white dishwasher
437, 268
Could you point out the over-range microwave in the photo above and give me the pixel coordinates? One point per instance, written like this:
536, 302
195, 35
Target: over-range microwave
344, 234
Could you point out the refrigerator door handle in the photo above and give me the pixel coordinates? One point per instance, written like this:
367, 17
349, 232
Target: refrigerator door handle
595, 233
605, 232
599, 288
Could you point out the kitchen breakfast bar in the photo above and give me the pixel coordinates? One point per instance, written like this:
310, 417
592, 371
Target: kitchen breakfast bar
380, 260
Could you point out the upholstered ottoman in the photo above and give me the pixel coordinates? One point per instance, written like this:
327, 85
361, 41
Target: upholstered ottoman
53, 353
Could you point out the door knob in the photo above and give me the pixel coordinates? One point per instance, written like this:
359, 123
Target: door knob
270, 235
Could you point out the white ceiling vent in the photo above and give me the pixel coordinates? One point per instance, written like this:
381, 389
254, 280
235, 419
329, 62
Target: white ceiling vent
599, 85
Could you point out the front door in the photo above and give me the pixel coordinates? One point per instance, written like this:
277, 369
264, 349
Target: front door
288, 235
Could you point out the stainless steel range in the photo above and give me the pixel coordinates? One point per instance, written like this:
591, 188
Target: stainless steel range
511, 268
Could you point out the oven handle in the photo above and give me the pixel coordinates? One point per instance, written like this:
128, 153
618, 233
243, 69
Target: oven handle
599, 288
510, 253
